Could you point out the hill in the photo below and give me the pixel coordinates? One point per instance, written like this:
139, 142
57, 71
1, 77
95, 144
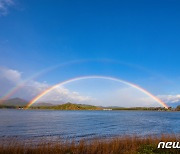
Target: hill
178, 108
18, 102
14, 102
68, 106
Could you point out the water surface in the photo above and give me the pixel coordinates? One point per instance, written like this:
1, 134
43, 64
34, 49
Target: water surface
86, 124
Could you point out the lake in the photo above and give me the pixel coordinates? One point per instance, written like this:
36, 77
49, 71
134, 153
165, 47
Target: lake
28, 124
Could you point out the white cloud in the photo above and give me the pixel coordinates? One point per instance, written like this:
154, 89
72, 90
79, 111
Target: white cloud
62, 94
170, 98
4, 5
10, 78
10, 74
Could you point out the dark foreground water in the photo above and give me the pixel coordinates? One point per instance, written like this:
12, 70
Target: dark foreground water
28, 124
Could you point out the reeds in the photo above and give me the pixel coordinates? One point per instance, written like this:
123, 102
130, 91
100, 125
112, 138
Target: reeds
119, 145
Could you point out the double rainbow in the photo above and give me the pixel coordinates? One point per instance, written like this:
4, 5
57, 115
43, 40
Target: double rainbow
96, 77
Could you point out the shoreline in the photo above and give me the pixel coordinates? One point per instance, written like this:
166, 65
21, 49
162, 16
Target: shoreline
78, 107
41, 109
72, 106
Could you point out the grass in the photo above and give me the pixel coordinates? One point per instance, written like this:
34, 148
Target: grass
119, 145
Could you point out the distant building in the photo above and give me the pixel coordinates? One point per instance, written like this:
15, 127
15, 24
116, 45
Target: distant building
107, 109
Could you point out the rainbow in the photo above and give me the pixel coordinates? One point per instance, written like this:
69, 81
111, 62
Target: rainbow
97, 77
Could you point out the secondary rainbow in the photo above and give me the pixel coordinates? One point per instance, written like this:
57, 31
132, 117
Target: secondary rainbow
96, 77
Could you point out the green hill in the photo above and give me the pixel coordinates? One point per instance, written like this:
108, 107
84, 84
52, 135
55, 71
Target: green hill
69, 106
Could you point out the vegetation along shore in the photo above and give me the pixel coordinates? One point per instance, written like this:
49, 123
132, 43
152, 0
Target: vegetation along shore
123, 145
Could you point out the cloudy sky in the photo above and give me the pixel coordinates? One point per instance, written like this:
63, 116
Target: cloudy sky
46, 42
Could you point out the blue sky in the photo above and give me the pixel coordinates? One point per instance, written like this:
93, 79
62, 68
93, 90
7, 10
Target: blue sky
138, 41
